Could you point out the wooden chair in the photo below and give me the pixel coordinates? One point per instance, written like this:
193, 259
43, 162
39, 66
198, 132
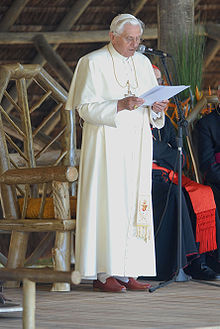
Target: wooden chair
36, 167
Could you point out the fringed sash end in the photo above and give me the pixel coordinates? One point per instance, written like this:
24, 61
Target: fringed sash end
143, 233
206, 231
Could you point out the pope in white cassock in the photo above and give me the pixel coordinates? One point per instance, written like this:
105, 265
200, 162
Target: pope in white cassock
114, 230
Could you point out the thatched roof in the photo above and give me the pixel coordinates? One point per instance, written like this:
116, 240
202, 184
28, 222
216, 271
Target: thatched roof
77, 27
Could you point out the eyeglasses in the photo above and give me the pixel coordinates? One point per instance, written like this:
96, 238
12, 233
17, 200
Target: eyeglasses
131, 39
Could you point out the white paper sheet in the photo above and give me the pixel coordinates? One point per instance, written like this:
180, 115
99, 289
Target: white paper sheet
160, 93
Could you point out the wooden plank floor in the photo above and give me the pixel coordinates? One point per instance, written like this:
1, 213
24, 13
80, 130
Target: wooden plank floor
179, 305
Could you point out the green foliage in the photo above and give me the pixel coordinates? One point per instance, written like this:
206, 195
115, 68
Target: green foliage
188, 52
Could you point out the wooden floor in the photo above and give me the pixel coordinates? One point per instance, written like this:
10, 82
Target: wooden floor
178, 305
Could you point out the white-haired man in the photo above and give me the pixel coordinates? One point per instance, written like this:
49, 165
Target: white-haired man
114, 233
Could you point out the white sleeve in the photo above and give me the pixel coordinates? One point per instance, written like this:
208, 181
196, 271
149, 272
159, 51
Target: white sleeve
101, 113
157, 120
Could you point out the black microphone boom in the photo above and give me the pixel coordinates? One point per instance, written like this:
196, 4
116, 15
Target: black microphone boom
150, 51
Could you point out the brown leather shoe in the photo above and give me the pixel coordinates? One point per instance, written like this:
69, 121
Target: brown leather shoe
111, 285
133, 284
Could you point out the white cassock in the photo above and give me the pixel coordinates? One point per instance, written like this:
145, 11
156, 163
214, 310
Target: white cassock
114, 232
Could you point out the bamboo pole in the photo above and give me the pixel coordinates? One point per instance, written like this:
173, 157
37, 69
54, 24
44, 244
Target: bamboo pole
193, 159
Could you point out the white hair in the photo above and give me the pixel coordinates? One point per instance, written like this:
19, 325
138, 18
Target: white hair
118, 23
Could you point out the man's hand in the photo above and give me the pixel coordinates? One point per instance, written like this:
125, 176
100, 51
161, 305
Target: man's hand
159, 106
129, 103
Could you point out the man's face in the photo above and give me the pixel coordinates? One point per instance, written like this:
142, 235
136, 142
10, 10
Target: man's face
127, 42
157, 73
158, 76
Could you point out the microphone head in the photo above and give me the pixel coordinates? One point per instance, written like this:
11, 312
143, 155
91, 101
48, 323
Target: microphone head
141, 49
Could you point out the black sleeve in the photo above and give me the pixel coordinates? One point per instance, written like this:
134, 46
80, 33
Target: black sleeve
206, 149
165, 151
164, 154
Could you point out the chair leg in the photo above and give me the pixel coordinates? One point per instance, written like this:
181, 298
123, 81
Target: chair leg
17, 253
61, 258
29, 304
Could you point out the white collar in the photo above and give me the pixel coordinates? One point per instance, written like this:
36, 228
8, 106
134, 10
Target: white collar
116, 54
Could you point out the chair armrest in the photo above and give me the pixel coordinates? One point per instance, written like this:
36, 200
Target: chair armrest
39, 175
38, 225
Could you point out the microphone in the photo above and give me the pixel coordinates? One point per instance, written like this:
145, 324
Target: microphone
145, 50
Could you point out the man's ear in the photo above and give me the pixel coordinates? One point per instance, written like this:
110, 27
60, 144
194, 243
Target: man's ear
111, 36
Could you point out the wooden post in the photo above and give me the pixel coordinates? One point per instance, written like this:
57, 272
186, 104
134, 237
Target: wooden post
175, 19
29, 304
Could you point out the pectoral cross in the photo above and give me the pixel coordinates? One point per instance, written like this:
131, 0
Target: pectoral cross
129, 93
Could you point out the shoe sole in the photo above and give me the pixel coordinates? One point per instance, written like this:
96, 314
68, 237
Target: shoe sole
117, 291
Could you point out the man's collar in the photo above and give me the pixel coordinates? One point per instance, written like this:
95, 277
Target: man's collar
116, 54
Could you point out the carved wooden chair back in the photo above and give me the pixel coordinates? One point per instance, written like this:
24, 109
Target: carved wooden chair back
37, 141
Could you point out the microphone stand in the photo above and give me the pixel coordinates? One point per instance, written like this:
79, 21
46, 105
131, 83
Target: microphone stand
180, 275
